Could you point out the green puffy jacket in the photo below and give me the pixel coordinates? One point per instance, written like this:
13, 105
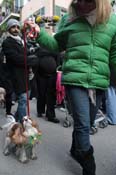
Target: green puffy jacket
89, 51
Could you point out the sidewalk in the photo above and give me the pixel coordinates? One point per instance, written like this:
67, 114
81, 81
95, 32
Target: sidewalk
53, 152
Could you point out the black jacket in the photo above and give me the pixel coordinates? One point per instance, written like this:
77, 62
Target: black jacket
5, 81
14, 52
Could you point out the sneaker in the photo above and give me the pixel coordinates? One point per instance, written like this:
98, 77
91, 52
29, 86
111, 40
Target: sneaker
40, 115
93, 130
62, 109
10, 118
54, 120
33, 98
13, 103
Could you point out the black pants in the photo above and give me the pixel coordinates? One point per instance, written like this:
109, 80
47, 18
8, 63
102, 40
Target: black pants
8, 100
46, 100
33, 87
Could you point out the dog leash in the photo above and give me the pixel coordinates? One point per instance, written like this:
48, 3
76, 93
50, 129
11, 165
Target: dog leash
29, 30
26, 71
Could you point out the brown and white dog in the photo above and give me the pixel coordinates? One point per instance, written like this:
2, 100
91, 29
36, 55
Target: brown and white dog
23, 137
14, 138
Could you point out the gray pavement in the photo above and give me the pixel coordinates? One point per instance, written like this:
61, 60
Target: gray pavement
53, 152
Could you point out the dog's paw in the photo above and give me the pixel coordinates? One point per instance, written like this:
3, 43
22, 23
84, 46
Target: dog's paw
24, 160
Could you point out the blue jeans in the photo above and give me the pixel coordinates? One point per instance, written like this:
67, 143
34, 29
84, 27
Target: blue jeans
80, 104
111, 105
22, 107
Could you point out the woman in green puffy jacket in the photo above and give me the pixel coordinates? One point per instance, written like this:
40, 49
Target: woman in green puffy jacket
87, 33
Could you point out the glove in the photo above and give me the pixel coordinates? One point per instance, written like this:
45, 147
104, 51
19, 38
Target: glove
32, 50
31, 74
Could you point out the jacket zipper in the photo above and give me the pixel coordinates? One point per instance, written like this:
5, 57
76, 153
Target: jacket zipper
90, 59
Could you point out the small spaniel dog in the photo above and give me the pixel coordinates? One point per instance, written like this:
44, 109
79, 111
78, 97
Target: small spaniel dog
14, 139
23, 137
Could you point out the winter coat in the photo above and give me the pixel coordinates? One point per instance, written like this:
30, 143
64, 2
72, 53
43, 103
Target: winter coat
89, 51
5, 81
14, 52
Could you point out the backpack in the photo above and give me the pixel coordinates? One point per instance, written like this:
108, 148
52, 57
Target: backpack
47, 62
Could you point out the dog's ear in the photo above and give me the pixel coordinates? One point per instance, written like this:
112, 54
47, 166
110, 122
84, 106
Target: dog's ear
14, 128
20, 139
12, 131
35, 124
17, 136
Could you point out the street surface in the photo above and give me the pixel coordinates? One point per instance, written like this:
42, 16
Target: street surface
53, 152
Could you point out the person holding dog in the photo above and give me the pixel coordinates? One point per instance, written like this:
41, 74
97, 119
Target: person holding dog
87, 33
13, 48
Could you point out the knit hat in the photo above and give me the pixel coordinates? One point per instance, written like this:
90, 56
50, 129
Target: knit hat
12, 22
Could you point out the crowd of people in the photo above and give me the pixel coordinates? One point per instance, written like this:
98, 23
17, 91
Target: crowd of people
87, 34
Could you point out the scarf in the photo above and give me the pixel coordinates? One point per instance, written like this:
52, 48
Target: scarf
17, 38
91, 17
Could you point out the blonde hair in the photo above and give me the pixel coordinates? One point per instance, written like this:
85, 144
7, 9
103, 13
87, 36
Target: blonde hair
103, 10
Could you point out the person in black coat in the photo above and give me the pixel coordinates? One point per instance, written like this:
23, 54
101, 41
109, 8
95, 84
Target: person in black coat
13, 48
46, 84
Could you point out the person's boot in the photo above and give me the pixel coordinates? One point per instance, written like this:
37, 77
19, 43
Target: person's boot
86, 160
89, 166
